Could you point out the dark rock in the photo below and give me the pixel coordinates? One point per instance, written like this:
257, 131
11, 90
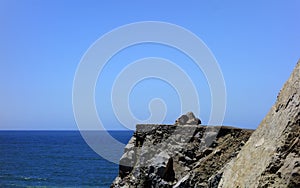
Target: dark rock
188, 119
174, 159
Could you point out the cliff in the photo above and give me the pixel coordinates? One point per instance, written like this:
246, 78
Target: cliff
271, 157
190, 155
182, 155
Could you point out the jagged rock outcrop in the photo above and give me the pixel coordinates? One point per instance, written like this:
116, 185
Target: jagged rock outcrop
192, 155
271, 157
188, 119
179, 156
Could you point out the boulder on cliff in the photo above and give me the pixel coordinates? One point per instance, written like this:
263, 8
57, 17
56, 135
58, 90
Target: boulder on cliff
188, 119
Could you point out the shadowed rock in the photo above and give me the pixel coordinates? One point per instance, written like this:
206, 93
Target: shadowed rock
182, 155
188, 119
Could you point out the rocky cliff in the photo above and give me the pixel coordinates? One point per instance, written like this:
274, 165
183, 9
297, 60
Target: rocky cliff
271, 157
179, 156
190, 155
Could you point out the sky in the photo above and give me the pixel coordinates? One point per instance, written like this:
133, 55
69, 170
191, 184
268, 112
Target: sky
42, 43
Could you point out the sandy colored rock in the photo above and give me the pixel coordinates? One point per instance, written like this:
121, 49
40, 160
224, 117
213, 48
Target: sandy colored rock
270, 158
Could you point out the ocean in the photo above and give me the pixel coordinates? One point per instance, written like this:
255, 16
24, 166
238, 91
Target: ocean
54, 159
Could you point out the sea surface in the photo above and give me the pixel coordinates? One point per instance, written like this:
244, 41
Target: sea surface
54, 159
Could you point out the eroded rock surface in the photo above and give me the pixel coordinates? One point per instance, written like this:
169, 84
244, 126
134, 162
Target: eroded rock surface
179, 156
271, 157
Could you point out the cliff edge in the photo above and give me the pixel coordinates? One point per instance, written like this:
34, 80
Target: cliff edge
190, 155
178, 155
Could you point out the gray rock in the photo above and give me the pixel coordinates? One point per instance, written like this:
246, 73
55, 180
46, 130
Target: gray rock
128, 159
163, 165
188, 119
162, 157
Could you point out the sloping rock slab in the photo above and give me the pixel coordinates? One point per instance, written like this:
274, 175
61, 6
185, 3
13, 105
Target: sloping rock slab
271, 158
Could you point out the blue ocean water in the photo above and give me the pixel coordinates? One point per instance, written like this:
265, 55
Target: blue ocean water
53, 158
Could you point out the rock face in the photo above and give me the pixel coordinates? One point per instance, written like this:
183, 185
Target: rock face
271, 157
191, 155
178, 156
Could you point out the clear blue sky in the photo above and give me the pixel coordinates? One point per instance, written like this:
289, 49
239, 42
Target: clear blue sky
256, 44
